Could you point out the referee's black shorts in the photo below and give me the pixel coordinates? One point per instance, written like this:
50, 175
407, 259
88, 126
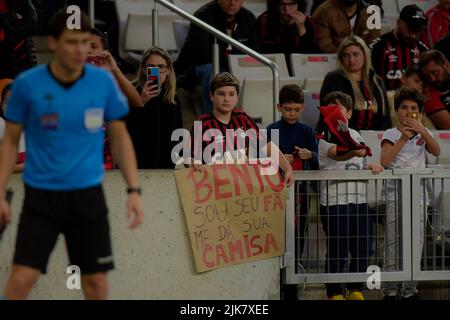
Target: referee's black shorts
80, 215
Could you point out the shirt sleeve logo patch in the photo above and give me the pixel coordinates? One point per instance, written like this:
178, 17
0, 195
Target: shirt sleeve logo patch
93, 119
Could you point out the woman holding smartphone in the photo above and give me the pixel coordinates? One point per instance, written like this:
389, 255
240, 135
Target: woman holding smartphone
151, 126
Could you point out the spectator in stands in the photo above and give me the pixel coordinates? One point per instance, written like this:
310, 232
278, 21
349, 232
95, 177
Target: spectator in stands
297, 140
403, 147
356, 78
399, 48
195, 59
100, 55
5, 91
436, 69
438, 23
344, 210
223, 117
18, 20
285, 28
337, 19
411, 78
151, 126
298, 143
444, 46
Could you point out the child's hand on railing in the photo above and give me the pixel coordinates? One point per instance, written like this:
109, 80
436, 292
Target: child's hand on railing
375, 167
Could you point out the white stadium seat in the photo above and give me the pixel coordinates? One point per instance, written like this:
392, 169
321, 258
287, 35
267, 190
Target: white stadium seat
246, 67
443, 138
124, 8
181, 30
257, 98
390, 7
166, 31
311, 112
138, 35
312, 66
312, 84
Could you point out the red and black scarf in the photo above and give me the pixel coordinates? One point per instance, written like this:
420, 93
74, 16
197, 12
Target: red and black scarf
337, 131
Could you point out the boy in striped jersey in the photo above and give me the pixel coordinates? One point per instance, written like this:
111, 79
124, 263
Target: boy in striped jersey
224, 126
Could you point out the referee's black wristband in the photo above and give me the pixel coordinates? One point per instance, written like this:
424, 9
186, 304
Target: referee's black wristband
132, 190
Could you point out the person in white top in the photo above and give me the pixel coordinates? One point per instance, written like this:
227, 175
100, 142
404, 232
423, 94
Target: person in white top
343, 208
403, 147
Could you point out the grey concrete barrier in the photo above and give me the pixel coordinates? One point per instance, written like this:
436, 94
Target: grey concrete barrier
153, 262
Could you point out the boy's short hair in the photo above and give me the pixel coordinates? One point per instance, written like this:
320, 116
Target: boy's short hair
341, 97
58, 23
291, 93
103, 37
412, 70
224, 79
405, 93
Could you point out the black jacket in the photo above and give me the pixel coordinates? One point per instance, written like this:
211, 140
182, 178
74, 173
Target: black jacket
18, 51
336, 81
197, 49
150, 130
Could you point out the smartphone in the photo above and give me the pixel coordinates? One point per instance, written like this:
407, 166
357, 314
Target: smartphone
8, 196
412, 115
153, 76
95, 60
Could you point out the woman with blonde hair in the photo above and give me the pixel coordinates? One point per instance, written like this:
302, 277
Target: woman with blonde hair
151, 125
356, 77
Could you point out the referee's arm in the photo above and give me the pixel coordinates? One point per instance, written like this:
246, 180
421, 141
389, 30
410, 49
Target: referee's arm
8, 158
123, 154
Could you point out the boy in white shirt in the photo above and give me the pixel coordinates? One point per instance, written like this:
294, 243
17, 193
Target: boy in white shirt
343, 208
403, 147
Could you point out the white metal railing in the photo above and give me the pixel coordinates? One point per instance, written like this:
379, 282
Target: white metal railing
411, 226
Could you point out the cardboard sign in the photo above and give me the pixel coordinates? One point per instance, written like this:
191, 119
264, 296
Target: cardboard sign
233, 213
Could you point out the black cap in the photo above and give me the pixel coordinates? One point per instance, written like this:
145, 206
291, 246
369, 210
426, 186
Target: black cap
414, 17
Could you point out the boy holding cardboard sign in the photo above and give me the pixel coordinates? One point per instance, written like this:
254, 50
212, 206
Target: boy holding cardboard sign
223, 127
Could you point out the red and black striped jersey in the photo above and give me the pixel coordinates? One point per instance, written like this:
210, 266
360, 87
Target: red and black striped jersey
391, 56
224, 133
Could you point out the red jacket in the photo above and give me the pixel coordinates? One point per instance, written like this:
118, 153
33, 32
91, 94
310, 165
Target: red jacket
437, 27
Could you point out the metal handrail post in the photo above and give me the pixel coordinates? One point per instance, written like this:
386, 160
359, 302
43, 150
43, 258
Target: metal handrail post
216, 58
235, 44
155, 25
92, 12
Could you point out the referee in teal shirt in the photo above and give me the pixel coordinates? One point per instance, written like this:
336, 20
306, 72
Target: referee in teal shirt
62, 108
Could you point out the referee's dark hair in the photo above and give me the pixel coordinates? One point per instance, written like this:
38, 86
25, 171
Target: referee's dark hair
58, 23
405, 93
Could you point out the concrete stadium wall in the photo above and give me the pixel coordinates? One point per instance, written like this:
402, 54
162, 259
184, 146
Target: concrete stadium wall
153, 262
